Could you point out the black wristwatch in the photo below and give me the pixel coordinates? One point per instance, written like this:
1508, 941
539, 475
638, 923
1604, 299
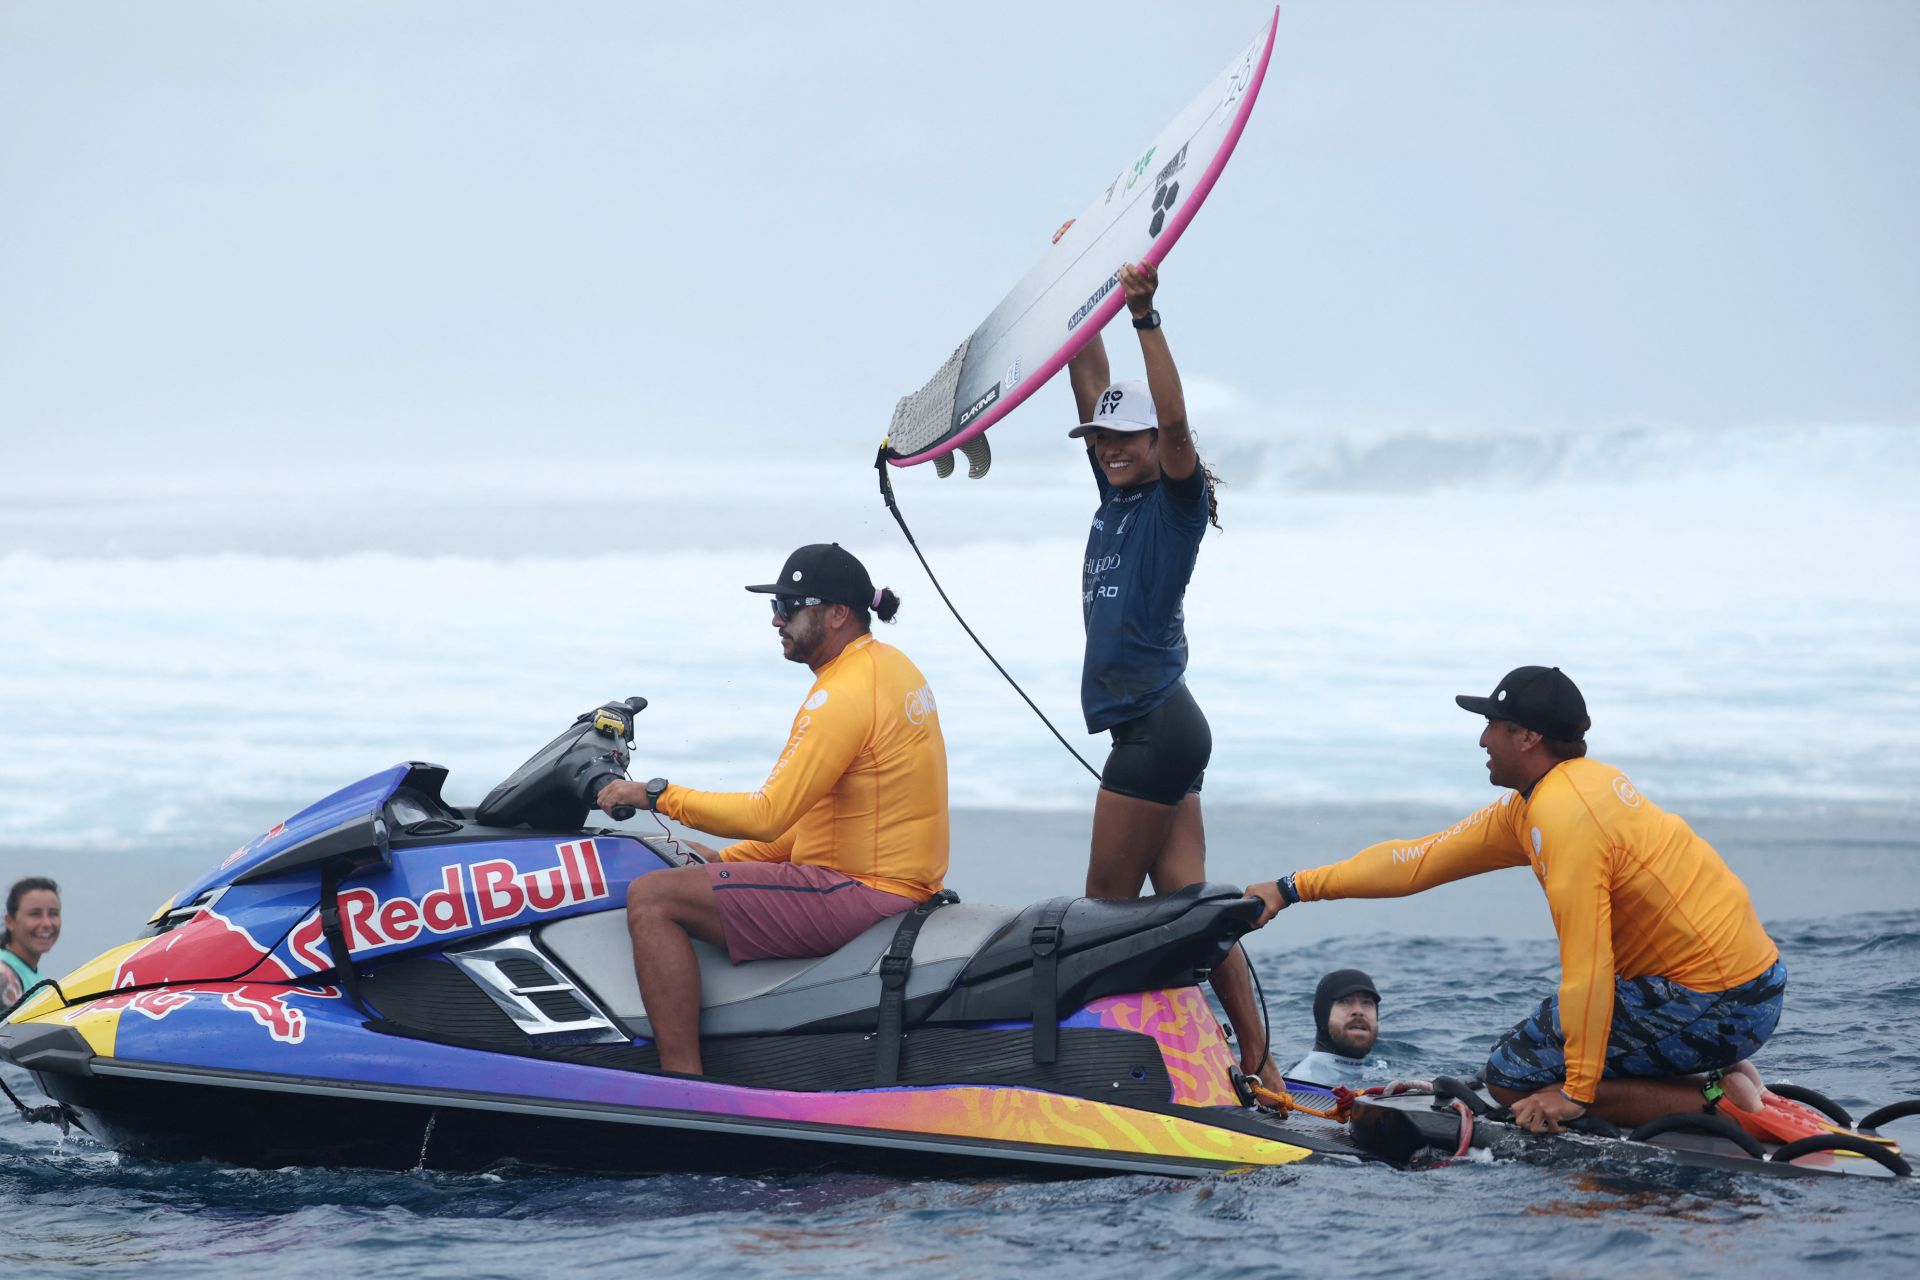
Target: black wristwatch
1151, 320
1288, 894
654, 787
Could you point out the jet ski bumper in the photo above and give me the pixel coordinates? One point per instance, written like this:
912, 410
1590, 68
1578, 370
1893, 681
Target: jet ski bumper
44, 1048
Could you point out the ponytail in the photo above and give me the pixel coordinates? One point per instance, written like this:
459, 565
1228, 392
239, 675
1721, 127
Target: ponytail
883, 605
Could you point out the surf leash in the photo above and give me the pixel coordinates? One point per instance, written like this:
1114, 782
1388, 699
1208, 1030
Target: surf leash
893, 505
1266, 1023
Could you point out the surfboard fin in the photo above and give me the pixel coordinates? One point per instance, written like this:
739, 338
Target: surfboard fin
979, 456
943, 465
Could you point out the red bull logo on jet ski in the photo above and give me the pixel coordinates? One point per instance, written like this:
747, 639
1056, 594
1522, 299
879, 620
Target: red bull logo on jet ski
213, 945
493, 892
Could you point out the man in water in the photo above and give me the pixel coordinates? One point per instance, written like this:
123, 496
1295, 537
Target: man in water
849, 828
1346, 1021
1668, 982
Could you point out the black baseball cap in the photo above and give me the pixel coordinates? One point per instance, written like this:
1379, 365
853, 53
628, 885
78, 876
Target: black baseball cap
826, 570
1538, 698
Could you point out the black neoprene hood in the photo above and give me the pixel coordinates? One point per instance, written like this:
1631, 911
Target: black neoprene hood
1333, 988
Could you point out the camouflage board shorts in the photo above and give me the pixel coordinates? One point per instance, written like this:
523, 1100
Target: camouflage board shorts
1660, 1028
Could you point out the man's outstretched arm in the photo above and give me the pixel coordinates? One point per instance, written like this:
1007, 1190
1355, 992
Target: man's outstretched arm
1484, 841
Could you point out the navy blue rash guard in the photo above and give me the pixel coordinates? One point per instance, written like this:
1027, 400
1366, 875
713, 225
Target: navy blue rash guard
1140, 555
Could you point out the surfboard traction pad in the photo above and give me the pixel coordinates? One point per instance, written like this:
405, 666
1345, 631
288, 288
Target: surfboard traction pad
922, 418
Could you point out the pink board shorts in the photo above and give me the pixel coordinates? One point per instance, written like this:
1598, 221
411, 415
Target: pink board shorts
782, 910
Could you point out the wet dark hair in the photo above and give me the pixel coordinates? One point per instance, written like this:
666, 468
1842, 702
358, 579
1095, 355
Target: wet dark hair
1213, 481
889, 606
21, 888
1213, 492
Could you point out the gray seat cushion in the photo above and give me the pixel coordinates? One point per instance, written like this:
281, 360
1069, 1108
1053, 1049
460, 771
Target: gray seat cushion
765, 996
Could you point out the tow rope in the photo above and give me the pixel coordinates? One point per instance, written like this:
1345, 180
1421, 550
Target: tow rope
1343, 1098
886, 493
53, 1113
1286, 1104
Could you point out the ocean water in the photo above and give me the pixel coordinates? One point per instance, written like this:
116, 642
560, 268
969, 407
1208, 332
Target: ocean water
1741, 607
184, 662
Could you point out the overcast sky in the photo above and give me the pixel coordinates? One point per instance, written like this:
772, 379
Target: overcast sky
284, 233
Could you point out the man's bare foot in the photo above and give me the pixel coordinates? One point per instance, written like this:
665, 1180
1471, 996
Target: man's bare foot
1743, 1086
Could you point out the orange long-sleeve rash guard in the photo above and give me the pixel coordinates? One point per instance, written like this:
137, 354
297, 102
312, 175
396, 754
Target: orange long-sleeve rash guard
860, 788
1633, 891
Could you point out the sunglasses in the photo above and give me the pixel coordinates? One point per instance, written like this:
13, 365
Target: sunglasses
785, 607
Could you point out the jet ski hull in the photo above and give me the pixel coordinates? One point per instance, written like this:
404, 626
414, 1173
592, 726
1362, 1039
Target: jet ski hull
169, 1113
566, 1115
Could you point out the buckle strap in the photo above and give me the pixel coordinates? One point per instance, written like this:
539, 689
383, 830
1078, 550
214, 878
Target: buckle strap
890, 1021
344, 972
1045, 941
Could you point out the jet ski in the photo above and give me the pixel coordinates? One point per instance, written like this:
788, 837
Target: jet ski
387, 980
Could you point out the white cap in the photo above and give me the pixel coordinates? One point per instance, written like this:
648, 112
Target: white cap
1124, 406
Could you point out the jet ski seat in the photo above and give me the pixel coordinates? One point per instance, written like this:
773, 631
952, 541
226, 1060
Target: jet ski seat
1097, 922
840, 991
971, 963
1100, 947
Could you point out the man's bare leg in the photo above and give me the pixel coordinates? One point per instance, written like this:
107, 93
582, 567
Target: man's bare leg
665, 910
1743, 1085
1630, 1103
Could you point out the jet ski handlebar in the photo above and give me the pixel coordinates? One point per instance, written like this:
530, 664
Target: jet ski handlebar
616, 720
557, 788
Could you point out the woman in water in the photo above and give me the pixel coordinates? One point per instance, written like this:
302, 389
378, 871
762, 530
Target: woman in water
1156, 501
32, 927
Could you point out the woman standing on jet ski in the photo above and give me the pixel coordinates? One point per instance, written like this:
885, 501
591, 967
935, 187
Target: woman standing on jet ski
1156, 501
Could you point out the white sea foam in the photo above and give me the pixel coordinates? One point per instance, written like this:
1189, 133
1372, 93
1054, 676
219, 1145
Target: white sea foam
1742, 610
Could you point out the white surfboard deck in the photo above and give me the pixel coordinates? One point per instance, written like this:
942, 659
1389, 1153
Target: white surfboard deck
1073, 291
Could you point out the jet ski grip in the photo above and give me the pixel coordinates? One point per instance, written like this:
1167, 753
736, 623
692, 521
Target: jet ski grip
600, 781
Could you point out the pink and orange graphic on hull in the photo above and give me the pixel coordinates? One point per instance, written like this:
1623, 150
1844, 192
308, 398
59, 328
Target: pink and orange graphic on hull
1192, 1043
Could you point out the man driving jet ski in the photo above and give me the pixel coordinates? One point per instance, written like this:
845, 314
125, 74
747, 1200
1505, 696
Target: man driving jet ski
849, 828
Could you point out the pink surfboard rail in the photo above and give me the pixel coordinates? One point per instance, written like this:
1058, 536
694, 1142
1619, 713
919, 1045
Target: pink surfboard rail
1110, 305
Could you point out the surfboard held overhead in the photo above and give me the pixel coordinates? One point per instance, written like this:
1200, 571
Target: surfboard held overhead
1072, 292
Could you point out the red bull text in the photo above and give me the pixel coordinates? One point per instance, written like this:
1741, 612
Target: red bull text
486, 893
